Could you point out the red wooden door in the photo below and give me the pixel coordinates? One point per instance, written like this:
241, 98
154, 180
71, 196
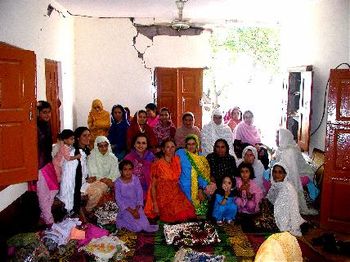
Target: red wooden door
335, 203
180, 89
52, 95
18, 133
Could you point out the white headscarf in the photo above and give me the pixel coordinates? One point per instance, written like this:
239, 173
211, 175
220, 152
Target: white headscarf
103, 166
284, 198
257, 166
289, 153
212, 132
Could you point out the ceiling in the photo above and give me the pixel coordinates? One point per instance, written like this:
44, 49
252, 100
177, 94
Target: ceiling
203, 11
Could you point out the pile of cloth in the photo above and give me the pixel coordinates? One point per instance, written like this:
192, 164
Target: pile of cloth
188, 255
191, 234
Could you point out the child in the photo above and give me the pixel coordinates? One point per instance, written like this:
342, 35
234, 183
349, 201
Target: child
129, 198
284, 198
47, 185
224, 205
249, 193
62, 151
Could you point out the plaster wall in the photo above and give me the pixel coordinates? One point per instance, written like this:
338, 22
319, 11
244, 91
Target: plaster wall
25, 24
316, 33
108, 65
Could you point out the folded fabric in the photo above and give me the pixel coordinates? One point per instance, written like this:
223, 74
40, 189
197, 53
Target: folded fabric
189, 255
91, 232
191, 234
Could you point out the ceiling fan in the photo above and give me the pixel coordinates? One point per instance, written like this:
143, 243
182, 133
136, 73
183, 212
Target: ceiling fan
179, 23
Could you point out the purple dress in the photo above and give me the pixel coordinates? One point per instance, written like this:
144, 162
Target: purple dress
131, 195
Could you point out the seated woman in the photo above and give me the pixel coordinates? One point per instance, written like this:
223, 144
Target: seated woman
174, 206
233, 117
165, 128
289, 153
214, 130
246, 133
186, 129
142, 159
284, 198
195, 175
250, 156
98, 121
139, 126
103, 171
129, 198
118, 130
221, 162
249, 193
152, 114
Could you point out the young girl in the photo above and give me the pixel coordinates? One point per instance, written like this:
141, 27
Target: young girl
249, 193
284, 198
129, 198
225, 208
62, 151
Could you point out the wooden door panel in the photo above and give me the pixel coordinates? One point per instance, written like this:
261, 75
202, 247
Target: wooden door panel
305, 110
18, 135
52, 96
167, 93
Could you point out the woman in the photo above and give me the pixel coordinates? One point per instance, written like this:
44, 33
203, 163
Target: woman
186, 129
165, 128
98, 121
75, 172
289, 153
221, 162
195, 175
250, 156
103, 171
139, 126
142, 159
284, 198
234, 117
246, 133
118, 130
174, 206
152, 114
214, 130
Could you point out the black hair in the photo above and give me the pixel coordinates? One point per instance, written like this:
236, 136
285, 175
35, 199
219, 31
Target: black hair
233, 181
152, 107
41, 105
250, 168
137, 136
66, 133
165, 109
140, 111
77, 133
223, 141
284, 171
121, 109
124, 163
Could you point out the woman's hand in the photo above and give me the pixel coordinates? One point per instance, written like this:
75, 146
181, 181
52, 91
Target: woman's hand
210, 189
201, 196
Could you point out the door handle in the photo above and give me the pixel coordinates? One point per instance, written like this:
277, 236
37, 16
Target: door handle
31, 112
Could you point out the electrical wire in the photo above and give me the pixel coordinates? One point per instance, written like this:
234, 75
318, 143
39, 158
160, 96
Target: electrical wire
325, 100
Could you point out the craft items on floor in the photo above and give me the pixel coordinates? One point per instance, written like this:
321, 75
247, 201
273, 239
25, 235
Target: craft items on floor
106, 213
191, 234
188, 255
105, 248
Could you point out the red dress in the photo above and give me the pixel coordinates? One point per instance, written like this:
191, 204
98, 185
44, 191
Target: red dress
172, 203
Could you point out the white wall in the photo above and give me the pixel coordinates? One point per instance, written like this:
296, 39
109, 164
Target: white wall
317, 33
107, 60
25, 24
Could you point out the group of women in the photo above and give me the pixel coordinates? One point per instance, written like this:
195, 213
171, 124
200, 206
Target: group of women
173, 180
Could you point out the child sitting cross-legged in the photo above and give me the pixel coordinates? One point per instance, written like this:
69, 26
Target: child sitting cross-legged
225, 208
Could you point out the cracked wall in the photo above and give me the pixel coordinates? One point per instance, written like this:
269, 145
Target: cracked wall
115, 63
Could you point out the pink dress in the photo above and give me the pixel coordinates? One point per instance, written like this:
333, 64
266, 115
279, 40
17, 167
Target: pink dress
246, 205
62, 154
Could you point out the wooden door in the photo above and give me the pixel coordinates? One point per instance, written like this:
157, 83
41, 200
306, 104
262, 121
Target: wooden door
180, 89
335, 202
18, 132
52, 95
305, 110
